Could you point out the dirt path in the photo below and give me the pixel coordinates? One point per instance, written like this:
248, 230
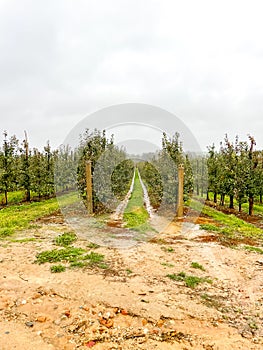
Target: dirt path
132, 304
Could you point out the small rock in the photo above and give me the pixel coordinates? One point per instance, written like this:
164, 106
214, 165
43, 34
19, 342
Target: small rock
67, 313
106, 323
41, 319
57, 322
124, 312
144, 322
29, 324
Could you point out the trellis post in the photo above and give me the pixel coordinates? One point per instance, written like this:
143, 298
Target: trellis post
89, 187
180, 205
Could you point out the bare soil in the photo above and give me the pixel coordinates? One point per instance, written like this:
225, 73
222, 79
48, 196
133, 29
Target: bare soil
132, 304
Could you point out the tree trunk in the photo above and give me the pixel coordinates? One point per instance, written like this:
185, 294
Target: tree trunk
260, 198
215, 197
197, 189
28, 196
207, 196
251, 205
239, 206
222, 200
6, 199
231, 203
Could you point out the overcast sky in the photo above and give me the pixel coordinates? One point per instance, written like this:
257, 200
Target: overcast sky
63, 60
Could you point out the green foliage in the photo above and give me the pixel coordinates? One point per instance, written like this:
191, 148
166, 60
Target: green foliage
237, 171
66, 239
200, 174
65, 168
196, 265
57, 268
190, 281
153, 181
121, 178
8, 165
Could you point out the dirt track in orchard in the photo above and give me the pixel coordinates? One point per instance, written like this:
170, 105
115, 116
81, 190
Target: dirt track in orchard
132, 304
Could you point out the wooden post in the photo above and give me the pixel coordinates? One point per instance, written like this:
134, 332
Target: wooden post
89, 187
180, 206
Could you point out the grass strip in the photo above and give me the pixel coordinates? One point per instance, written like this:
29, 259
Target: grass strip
19, 217
135, 214
228, 224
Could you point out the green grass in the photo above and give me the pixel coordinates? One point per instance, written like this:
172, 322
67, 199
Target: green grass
66, 239
24, 240
209, 227
19, 217
66, 254
57, 268
189, 280
15, 197
196, 265
77, 257
254, 249
135, 214
228, 225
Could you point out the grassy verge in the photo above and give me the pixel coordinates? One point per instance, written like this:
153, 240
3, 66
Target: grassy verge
229, 226
19, 217
135, 214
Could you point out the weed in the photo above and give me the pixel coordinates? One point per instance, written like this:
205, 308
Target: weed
129, 271
254, 249
78, 264
67, 254
167, 264
196, 265
93, 245
65, 239
94, 258
167, 249
190, 281
103, 266
57, 268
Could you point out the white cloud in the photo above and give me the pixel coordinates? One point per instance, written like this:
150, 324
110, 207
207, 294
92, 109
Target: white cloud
61, 60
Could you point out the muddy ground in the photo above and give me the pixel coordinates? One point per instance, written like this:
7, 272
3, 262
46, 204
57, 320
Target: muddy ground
131, 304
